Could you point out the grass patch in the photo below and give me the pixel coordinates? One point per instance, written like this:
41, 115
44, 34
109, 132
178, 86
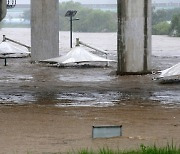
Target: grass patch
169, 149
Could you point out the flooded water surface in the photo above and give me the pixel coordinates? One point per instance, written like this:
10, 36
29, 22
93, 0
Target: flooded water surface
23, 83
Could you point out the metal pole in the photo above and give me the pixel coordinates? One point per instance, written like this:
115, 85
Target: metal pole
5, 62
77, 42
28, 47
92, 47
71, 31
4, 38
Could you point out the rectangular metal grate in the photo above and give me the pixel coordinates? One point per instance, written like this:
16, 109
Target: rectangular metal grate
106, 131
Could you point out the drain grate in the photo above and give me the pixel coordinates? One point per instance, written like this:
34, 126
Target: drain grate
106, 131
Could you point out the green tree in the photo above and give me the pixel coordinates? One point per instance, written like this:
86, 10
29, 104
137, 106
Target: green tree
161, 19
163, 15
175, 25
159, 16
97, 21
106, 21
90, 20
63, 8
161, 28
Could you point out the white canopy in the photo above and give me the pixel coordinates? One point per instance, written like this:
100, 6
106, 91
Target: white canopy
172, 71
78, 55
7, 49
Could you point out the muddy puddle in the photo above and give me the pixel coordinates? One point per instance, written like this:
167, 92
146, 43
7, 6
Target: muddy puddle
16, 99
16, 78
86, 78
167, 99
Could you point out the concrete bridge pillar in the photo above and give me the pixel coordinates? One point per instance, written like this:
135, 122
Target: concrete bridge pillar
3, 9
44, 29
134, 37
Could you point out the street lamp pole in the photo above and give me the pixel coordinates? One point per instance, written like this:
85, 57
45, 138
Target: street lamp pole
71, 31
71, 14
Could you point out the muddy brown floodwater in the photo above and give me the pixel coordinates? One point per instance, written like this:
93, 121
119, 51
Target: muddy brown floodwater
49, 109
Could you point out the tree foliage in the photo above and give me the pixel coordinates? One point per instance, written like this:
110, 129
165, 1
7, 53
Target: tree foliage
165, 22
90, 20
161, 28
175, 25
163, 15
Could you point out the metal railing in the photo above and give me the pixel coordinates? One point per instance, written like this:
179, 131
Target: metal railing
78, 42
11, 4
16, 42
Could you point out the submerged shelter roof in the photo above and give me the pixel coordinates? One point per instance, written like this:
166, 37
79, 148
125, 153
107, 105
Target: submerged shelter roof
172, 71
6, 49
78, 55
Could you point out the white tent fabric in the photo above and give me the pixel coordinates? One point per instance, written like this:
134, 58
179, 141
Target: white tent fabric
172, 71
78, 55
7, 49
170, 75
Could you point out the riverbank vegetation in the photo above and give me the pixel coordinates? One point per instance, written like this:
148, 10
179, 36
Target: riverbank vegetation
90, 20
164, 22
